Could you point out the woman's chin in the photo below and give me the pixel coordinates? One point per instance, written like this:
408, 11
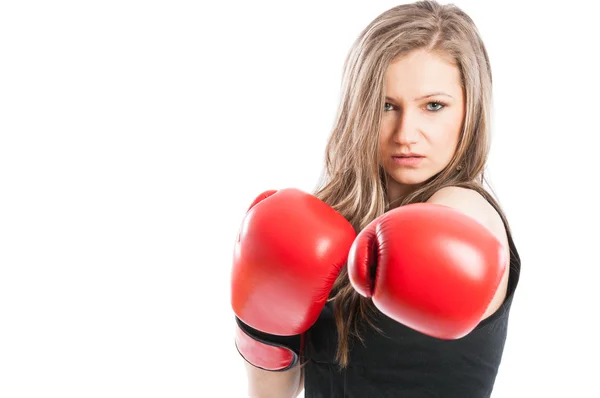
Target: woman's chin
408, 178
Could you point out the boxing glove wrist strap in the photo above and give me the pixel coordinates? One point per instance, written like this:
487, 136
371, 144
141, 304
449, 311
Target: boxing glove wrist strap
267, 351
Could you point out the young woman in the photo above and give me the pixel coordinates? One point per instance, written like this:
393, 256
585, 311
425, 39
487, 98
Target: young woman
396, 277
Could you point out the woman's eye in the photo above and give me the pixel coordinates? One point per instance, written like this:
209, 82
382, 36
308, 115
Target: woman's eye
431, 106
437, 106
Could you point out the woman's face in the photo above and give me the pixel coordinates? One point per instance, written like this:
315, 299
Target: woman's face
422, 119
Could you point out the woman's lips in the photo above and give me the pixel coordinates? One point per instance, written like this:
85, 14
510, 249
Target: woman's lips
409, 161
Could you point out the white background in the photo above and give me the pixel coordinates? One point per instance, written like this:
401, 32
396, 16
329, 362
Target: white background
133, 135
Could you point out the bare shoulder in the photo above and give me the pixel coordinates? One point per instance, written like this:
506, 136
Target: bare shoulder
473, 204
467, 201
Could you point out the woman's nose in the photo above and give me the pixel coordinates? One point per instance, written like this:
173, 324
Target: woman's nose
406, 132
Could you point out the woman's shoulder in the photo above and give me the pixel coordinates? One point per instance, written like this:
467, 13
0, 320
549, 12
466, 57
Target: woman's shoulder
473, 204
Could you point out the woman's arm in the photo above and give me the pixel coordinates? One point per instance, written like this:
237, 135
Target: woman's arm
267, 384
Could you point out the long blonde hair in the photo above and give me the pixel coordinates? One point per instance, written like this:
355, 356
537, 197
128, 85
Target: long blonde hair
353, 181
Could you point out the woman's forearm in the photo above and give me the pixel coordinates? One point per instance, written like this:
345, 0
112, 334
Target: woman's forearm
267, 384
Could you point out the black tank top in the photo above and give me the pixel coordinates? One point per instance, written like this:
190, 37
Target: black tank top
404, 363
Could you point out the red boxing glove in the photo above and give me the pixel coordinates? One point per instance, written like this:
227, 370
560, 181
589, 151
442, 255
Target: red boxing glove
288, 254
429, 267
